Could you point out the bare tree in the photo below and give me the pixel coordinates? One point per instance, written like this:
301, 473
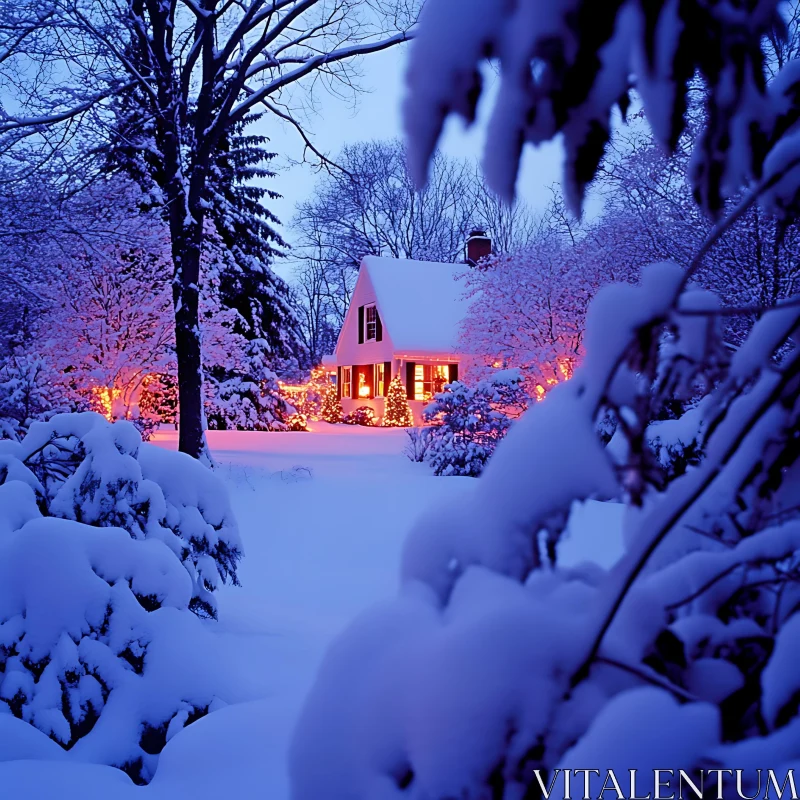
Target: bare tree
372, 207
197, 69
650, 214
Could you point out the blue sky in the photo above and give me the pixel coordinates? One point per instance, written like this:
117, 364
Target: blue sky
378, 116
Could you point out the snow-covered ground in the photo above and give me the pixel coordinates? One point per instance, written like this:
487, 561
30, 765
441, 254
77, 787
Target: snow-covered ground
323, 516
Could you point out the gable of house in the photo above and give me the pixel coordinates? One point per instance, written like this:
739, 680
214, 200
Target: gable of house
421, 302
419, 307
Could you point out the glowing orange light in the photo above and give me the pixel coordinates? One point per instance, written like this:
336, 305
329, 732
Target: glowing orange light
540, 391
292, 388
363, 391
103, 400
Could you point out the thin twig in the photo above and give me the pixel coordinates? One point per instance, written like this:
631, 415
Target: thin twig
650, 677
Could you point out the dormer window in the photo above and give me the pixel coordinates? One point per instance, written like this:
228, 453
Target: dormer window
372, 323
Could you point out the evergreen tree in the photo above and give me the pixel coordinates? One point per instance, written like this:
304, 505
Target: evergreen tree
398, 411
331, 405
470, 421
159, 399
245, 234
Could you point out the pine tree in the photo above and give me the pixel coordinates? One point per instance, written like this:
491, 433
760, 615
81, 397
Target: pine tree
398, 411
470, 421
331, 405
245, 229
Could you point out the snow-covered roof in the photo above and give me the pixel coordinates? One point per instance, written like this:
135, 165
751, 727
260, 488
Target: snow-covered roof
421, 303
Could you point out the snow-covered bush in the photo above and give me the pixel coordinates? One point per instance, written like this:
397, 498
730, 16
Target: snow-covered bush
29, 389
469, 421
363, 415
84, 468
419, 440
673, 445
159, 399
307, 396
107, 546
243, 404
677, 443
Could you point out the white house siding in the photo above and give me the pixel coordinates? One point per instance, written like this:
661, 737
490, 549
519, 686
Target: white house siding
348, 350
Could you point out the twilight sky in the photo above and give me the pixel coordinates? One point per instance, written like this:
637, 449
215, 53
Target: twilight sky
377, 116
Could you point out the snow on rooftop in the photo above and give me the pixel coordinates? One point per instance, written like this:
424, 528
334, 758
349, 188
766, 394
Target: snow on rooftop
421, 303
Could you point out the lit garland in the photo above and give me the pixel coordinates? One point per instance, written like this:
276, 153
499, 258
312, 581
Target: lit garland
307, 397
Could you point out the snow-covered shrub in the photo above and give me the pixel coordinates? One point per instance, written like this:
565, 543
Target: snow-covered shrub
419, 440
29, 390
84, 468
107, 545
673, 446
159, 399
239, 403
469, 421
363, 415
677, 443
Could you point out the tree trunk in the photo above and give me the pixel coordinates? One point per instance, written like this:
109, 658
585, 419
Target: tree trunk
186, 232
186, 216
191, 438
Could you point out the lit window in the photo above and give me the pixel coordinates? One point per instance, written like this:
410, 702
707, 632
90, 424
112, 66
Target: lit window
430, 379
363, 386
380, 380
372, 323
346, 382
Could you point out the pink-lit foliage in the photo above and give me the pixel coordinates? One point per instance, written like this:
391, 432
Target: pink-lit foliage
106, 332
528, 308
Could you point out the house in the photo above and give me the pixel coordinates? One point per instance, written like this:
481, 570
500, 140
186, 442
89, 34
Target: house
404, 319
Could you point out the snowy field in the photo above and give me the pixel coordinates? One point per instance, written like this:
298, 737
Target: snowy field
323, 516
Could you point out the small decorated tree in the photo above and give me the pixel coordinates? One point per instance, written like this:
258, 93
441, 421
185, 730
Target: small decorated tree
331, 405
398, 412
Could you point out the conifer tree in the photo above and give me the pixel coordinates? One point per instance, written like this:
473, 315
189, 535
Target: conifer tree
398, 411
246, 231
331, 405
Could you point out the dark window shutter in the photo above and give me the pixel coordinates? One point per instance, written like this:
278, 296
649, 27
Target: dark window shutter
339, 382
378, 327
387, 377
354, 378
410, 367
453, 373
361, 324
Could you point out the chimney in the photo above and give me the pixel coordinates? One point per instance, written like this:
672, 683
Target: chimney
479, 246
